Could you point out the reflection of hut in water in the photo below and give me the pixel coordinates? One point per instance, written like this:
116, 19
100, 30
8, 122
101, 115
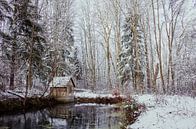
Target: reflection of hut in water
76, 116
62, 88
61, 112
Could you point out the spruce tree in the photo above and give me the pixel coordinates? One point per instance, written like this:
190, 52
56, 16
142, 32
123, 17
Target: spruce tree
5, 11
124, 65
31, 38
24, 44
131, 58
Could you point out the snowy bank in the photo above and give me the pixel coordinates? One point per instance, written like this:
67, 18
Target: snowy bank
99, 98
90, 94
171, 112
95, 105
20, 93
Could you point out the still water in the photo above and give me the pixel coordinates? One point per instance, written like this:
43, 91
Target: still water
76, 116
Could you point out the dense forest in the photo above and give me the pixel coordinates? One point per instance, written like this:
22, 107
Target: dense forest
130, 46
97, 64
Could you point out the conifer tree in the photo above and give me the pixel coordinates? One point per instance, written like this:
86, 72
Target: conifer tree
24, 44
131, 59
32, 40
5, 11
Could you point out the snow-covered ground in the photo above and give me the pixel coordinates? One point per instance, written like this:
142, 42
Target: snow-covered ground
96, 105
166, 112
89, 94
20, 92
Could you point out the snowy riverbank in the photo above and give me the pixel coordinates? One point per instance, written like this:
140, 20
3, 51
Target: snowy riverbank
88, 96
171, 112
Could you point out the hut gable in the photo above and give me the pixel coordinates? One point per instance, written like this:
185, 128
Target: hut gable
62, 82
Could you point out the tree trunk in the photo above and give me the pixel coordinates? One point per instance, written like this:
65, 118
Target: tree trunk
13, 56
148, 76
12, 71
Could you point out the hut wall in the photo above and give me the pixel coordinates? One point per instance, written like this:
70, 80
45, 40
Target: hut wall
59, 91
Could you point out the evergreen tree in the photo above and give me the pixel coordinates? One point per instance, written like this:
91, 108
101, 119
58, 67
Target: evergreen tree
72, 63
124, 64
77, 66
32, 40
5, 11
8, 46
131, 58
24, 44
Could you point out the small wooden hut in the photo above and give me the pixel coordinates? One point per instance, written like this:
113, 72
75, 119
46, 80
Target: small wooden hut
62, 88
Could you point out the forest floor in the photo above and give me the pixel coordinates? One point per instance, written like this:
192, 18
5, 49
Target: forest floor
164, 111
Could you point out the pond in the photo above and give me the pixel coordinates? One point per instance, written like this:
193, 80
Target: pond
74, 116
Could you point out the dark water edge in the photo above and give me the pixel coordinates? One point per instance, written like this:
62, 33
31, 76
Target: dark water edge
16, 105
69, 116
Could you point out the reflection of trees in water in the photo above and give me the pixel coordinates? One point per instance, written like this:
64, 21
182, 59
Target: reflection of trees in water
92, 117
76, 117
86, 117
83, 117
64, 117
25, 121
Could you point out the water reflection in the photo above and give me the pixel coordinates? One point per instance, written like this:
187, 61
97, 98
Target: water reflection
66, 117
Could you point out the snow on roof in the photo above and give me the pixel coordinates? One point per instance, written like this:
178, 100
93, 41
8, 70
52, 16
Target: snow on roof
60, 81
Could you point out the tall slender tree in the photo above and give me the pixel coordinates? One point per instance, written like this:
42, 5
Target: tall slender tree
132, 58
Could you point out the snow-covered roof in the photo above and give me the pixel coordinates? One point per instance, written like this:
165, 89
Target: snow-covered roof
60, 81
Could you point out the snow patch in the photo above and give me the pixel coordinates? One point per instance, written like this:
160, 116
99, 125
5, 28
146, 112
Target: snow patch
95, 104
